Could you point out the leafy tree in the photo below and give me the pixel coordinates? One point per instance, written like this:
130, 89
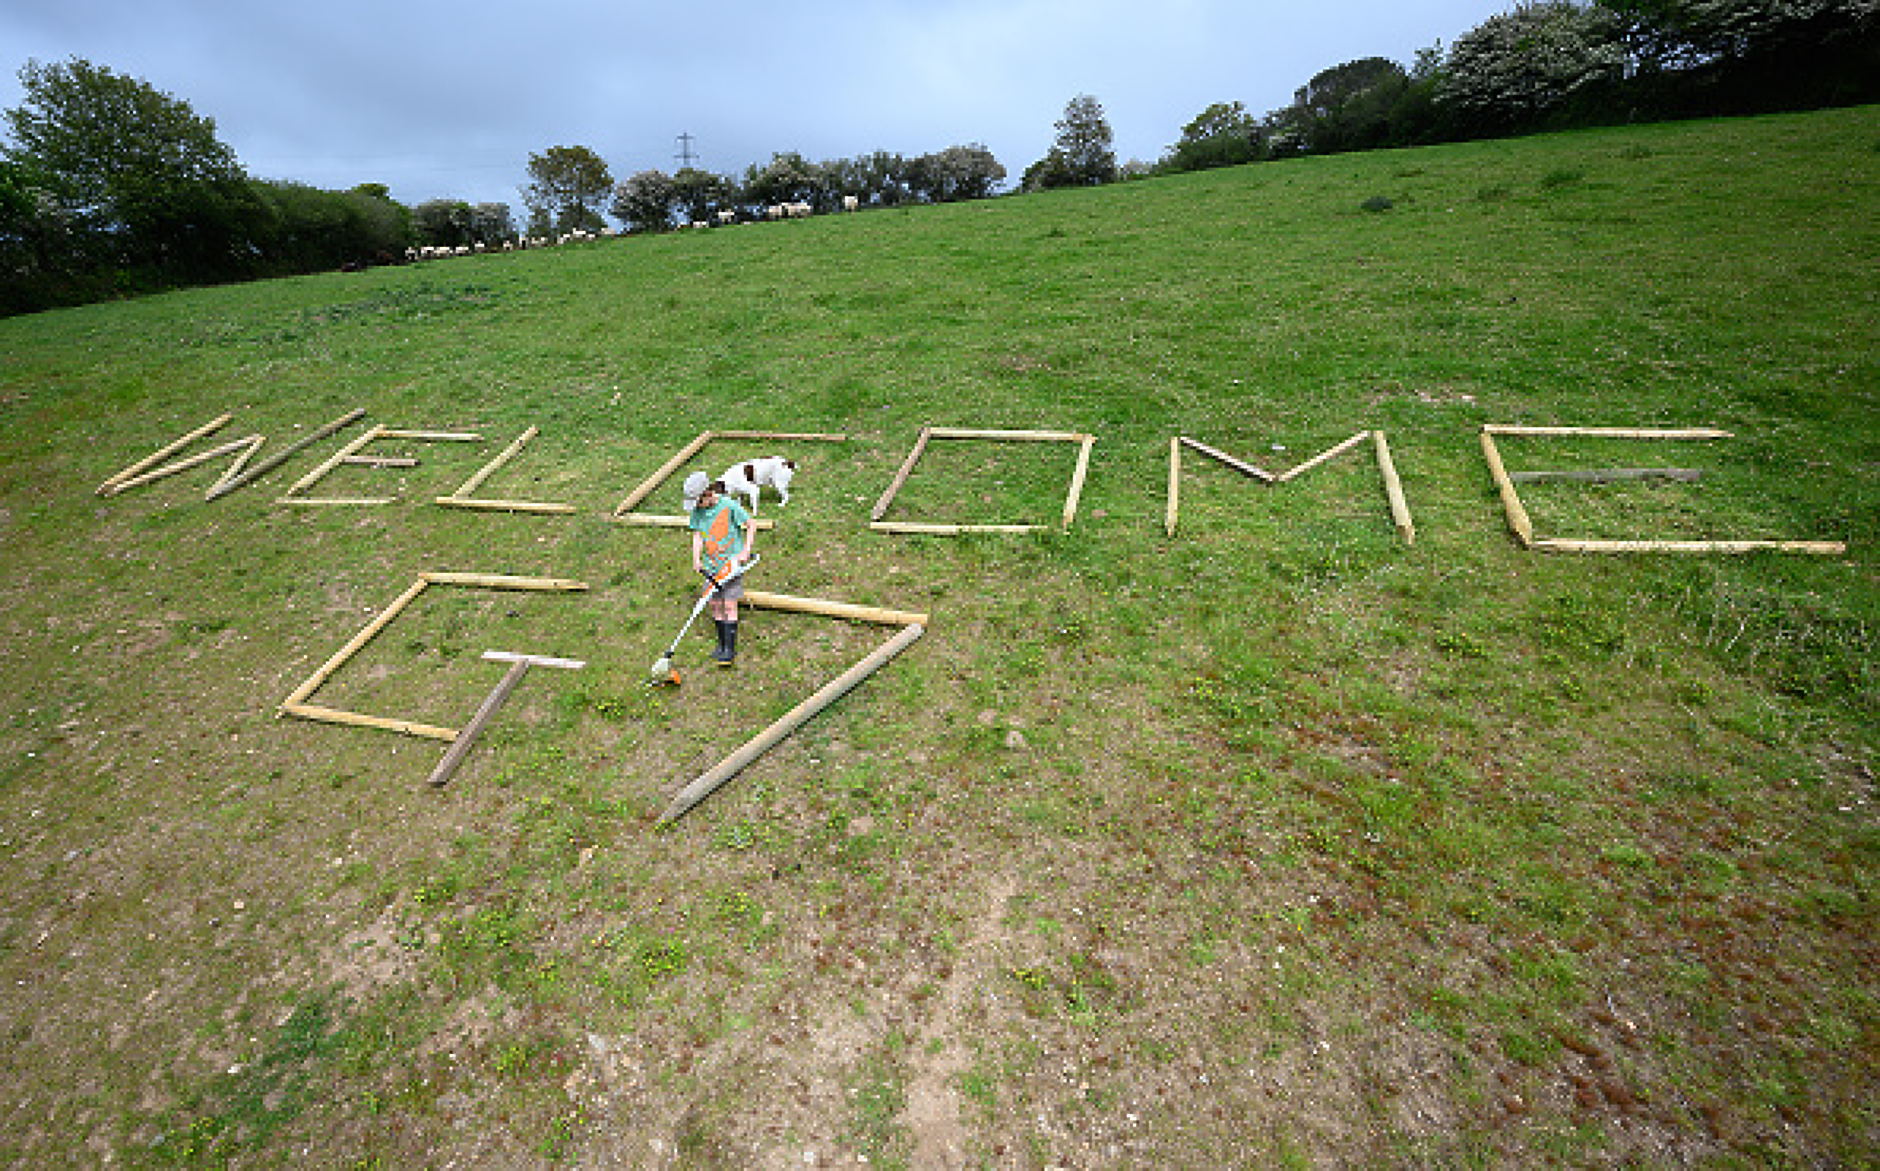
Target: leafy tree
1223, 135
1517, 70
491, 224
35, 242
1083, 153
1752, 54
444, 223
700, 194
570, 184
1415, 118
846, 177
132, 171
1677, 34
956, 173
787, 178
881, 178
645, 202
1348, 107
309, 229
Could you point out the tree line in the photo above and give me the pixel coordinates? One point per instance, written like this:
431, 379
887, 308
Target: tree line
1560, 64
570, 187
111, 187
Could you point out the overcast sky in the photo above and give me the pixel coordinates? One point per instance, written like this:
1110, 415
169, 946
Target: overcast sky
447, 98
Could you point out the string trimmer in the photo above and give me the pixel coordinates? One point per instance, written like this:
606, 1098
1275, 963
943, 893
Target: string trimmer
663, 671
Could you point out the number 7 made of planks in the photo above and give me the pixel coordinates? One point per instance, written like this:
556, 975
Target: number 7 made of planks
912, 626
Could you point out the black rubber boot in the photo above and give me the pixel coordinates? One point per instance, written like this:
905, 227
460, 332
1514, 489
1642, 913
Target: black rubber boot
722, 655
730, 651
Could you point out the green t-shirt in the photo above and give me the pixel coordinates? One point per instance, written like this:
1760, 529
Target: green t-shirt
723, 525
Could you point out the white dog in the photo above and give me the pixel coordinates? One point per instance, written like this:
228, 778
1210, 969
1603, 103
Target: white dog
749, 479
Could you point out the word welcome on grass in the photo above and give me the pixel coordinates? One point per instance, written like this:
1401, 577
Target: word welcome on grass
243, 471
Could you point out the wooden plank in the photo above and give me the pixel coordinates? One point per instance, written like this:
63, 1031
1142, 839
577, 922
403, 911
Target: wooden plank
1606, 475
382, 461
900, 477
766, 600
662, 521
163, 453
1174, 484
489, 469
535, 660
1329, 453
659, 477
499, 581
461, 743
332, 501
1609, 432
331, 715
1568, 545
1239, 465
1077, 479
1393, 490
1510, 502
432, 436
505, 505
313, 682
818, 436
249, 475
764, 741
182, 465
913, 528
1022, 436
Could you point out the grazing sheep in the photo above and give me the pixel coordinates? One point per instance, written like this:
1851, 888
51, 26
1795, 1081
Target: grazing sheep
851, 203
797, 210
726, 216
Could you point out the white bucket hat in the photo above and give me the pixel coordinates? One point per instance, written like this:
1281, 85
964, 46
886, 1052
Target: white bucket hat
695, 486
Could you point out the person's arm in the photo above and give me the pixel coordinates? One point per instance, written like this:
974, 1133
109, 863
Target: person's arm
698, 552
750, 538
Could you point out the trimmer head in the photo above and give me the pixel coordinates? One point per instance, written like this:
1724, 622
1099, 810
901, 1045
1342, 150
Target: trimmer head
664, 673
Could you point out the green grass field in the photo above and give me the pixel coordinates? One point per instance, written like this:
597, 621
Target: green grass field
1275, 841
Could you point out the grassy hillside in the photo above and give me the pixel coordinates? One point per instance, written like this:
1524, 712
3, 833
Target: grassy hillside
1271, 841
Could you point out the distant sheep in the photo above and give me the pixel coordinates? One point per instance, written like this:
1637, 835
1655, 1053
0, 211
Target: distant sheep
797, 210
851, 203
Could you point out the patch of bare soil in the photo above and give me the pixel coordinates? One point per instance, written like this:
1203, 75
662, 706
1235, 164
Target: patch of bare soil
933, 1103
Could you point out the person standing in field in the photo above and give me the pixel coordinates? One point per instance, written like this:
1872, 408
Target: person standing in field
723, 535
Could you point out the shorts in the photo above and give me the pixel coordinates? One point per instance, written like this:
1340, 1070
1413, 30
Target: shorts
732, 591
